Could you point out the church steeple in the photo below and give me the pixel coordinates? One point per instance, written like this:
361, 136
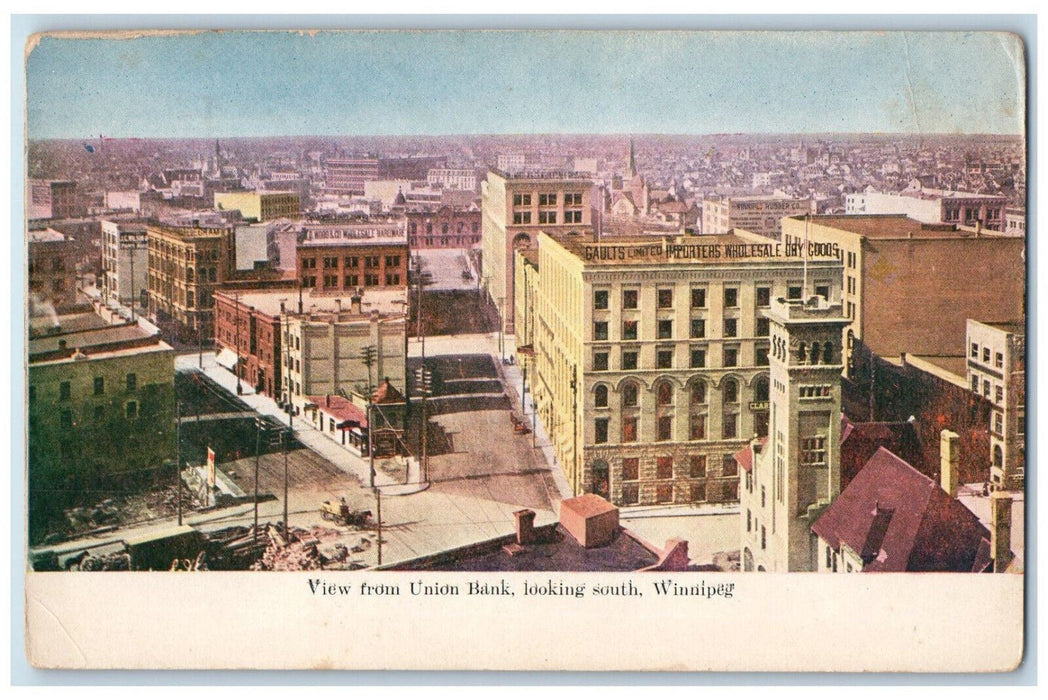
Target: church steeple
631, 165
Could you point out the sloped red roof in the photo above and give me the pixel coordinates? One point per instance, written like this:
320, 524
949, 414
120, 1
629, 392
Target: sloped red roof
347, 413
745, 456
859, 442
387, 393
899, 520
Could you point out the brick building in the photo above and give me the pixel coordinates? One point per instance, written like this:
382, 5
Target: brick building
52, 267
186, 265
447, 227
341, 258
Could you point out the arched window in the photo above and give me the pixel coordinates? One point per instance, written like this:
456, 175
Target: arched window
760, 389
600, 396
998, 456
730, 391
629, 395
698, 392
827, 353
664, 394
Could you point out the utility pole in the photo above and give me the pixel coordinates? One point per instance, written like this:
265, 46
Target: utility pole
418, 273
236, 311
502, 354
424, 380
290, 432
258, 450
178, 459
575, 428
378, 520
200, 342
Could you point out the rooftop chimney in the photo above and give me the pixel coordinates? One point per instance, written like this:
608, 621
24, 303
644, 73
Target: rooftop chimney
525, 526
949, 461
354, 304
1000, 530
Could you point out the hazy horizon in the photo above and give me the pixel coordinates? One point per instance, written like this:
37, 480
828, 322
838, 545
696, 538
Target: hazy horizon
476, 83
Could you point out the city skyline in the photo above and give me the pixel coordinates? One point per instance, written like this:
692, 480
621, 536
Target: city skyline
602, 82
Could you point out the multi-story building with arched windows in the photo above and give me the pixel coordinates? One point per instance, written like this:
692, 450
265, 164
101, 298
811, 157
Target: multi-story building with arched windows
649, 358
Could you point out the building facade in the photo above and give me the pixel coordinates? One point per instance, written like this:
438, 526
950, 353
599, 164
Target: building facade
996, 369
910, 287
347, 350
447, 227
261, 206
342, 258
125, 262
348, 175
932, 206
186, 265
248, 335
53, 199
793, 475
115, 383
651, 358
758, 214
52, 259
453, 178
514, 211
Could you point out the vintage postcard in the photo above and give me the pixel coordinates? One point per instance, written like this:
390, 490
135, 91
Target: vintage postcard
486, 349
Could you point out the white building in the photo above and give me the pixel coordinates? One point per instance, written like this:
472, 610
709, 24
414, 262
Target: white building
932, 206
452, 178
997, 371
125, 261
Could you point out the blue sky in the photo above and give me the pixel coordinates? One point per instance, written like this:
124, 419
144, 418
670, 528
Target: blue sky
276, 83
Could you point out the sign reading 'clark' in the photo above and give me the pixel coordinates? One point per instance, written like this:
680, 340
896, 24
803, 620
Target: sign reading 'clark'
713, 251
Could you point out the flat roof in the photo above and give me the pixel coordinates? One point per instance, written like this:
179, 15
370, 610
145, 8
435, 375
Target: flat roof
893, 226
385, 301
719, 249
1017, 327
48, 235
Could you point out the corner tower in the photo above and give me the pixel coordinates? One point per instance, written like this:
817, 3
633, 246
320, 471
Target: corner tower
795, 474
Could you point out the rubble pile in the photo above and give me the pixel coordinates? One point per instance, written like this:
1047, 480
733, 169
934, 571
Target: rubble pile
308, 550
116, 561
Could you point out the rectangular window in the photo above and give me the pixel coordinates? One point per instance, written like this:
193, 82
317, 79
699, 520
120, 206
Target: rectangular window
600, 431
629, 330
730, 426
998, 394
998, 360
600, 330
698, 428
547, 217
975, 351
665, 328
698, 328
763, 327
132, 382
986, 388
66, 419
664, 428
630, 469
132, 409
731, 357
823, 290
629, 298
749, 520
600, 361
698, 493
600, 299
731, 327
522, 217
986, 356
731, 297
697, 469
629, 359
698, 357
729, 467
764, 539
392, 261
522, 200
629, 428
665, 298
763, 296
570, 199
975, 384
548, 200
813, 450
352, 261
794, 292
630, 494
664, 493
351, 280
998, 424
664, 359
573, 216
64, 391
100, 386
698, 298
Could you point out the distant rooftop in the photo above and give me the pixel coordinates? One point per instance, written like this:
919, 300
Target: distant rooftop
47, 235
892, 226
94, 343
542, 174
385, 301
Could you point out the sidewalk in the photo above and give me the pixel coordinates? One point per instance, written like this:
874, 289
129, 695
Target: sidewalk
304, 432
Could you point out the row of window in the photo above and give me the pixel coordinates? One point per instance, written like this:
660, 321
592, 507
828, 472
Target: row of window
65, 389
664, 296
65, 418
998, 357
548, 199
444, 228
998, 395
664, 328
332, 262
664, 358
571, 216
664, 393
664, 427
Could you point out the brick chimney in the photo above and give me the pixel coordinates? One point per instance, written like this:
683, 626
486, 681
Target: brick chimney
1000, 530
949, 461
354, 304
525, 526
